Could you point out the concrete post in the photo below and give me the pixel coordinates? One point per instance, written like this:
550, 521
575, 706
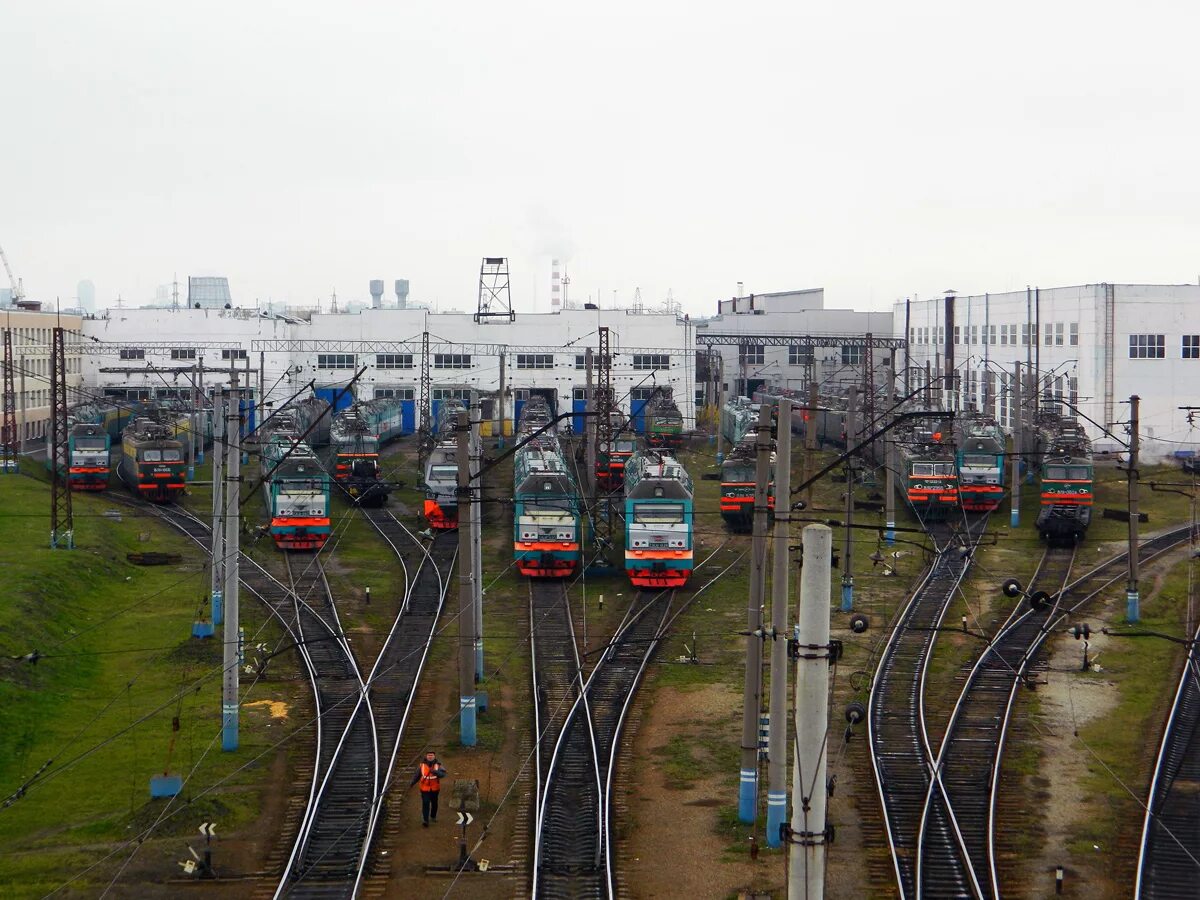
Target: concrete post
806, 853
1018, 447
218, 511
752, 692
848, 549
777, 738
232, 635
1132, 597
466, 591
477, 538
889, 465
216, 427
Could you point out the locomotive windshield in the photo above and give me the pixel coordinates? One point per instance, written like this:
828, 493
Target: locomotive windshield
933, 469
89, 443
658, 513
978, 459
1068, 473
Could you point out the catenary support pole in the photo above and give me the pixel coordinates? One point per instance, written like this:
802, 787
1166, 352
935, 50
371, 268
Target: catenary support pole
501, 395
722, 450
777, 737
811, 430
752, 690
1018, 444
466, 591
1133, 611
806, 852
231, 633
217, 423
589, 427
889, 465
477, 537
847, 550
218, 510
24, 414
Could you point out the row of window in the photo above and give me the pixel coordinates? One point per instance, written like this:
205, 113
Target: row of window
641, 361
1052, 334
1154, 346
798, 355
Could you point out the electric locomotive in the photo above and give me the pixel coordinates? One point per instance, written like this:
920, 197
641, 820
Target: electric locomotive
611, 460
441, 468
296, 491
980, 461
88, 448
658, 520
153, 464
930, 474
546, 520
355, 437
664, 421
1064, 452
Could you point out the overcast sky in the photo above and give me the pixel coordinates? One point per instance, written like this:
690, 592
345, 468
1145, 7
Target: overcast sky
876, 149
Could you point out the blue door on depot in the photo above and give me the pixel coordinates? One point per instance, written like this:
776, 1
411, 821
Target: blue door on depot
408, 416
637, 408
578, 408
337, 397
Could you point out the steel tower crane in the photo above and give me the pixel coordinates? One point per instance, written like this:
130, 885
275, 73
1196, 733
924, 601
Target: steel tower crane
18, 287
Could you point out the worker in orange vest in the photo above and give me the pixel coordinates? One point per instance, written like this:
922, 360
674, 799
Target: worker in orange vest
429, 776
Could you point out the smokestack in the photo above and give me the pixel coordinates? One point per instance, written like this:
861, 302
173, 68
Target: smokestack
402, 293
555, 287
376, 293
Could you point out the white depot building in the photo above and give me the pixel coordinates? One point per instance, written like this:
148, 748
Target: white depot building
544, 351
1093, 346
762, 353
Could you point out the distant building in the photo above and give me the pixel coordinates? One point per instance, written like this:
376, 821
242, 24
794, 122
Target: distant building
5, 296
209, 292
85, 294
1092, 345
33, 333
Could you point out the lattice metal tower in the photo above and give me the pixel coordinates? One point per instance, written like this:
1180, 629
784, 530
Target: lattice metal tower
869, 411
603, 497
425, 410
495, 297
8, 424
62, 523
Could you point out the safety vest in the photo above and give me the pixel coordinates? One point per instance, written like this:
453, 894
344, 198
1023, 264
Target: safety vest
429, 779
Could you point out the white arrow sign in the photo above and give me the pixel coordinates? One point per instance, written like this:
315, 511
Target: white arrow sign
465, 821
208, 829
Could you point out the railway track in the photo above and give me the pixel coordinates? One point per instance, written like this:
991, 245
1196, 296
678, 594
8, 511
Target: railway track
968, 761
1169, 855
900, 750
574, 853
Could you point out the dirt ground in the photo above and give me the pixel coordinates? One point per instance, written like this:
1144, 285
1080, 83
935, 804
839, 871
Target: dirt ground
676, 826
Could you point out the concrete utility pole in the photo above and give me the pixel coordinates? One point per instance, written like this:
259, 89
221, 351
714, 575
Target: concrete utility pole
1133, 610
811, 430
1018, 446
752, 693
218, 511
503, 417
477, 538
847, 550
203, 422
232, 635
24, 416
721, 448
889, 465
806, 852
777, 737
466, 590
193, 427
589, 428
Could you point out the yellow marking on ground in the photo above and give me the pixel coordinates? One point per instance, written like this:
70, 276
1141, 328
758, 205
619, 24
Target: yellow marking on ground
277, 708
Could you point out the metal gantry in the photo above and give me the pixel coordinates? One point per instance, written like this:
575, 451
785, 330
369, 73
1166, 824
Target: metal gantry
62, 523
8, 424
605, 406
495, 296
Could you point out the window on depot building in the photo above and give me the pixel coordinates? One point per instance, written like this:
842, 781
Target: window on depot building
1147, 346
1191, 346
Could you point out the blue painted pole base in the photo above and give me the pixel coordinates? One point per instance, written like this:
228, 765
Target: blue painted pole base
748, 796
466, 720
848, 595
199, 457
1133, 607
776, 816
218, 611
191, 473
889, 534
481, 702
165, 786
1014, 520
202, 629
229, 727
